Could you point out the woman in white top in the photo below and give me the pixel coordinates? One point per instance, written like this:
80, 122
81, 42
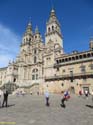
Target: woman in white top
0, 97
92, 95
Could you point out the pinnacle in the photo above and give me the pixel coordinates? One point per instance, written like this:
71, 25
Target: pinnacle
36, 30
52, 11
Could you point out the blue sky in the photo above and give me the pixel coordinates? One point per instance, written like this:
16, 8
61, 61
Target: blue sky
75, 17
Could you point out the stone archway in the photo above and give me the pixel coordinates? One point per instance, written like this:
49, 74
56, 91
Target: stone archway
34, 89
72, 89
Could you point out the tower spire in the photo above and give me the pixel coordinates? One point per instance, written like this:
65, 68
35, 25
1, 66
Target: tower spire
53, 29
52, 13
36, 30
29, 28
52, 17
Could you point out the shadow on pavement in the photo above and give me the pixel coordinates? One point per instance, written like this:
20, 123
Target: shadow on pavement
11, 105
7, 106
90, 106
63, 106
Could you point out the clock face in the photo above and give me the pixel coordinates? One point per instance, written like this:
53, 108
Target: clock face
56, 46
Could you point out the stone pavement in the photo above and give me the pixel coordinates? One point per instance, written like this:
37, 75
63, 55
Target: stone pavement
31, 110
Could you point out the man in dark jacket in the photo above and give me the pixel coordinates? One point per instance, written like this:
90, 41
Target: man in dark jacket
5, 98
62, 102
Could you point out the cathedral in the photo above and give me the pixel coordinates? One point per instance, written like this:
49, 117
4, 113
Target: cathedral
43, 65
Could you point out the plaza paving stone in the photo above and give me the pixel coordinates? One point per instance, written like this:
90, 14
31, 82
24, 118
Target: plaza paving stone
31, 110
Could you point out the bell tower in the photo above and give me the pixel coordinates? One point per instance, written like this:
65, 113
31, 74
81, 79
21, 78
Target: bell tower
27, 37
53, 31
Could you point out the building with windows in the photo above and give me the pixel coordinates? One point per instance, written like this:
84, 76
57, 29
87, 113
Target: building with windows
40, 66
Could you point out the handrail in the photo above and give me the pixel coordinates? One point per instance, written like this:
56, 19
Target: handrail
69, 75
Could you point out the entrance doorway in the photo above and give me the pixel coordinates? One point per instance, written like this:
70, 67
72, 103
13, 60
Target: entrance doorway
72, 90
85, 88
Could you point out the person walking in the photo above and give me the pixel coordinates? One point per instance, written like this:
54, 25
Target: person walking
63, 100
80, 93
5, 98
47, 98
92, 95
0, 98
86, 94
66, 95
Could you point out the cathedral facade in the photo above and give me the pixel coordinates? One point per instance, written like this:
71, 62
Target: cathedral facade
43, 66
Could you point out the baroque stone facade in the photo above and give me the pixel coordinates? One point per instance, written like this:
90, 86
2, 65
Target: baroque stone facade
40, 66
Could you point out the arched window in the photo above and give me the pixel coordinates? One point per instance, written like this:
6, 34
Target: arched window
80, 56
91, 54
63, 60
69, 58
84, 55
35, 51
88, 55
14, 80
34, 74
24, 40
62, 84
52, 28
35, 59
33, 77
35, 36
34, 70
49, 29
76, 57
73, 58
29, 39
57, 61
66, 59
60, 61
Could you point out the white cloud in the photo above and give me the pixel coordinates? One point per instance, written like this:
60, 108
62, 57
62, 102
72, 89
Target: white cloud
4, 60
9, 45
